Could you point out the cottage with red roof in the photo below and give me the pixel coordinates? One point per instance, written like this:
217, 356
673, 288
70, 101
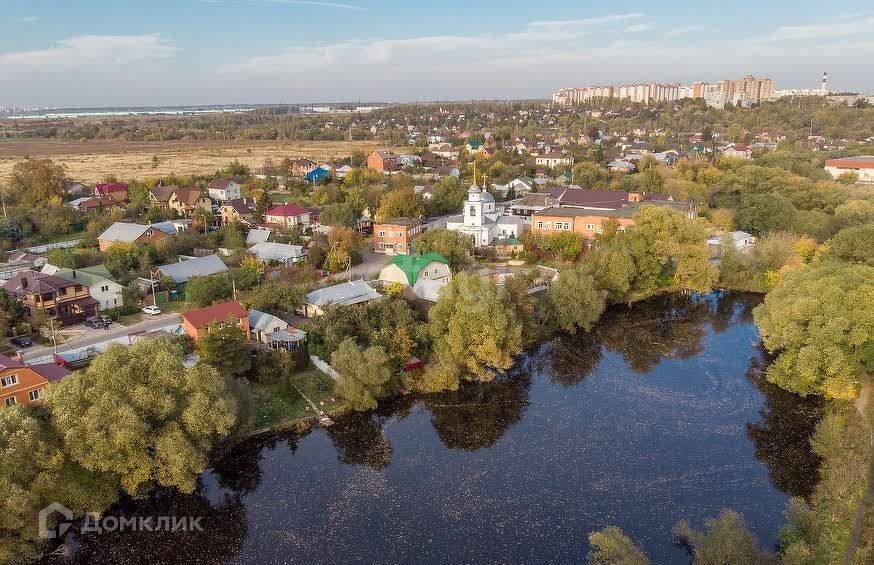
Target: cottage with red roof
112, 190
26, 384
288, 215
737, 151
196, 322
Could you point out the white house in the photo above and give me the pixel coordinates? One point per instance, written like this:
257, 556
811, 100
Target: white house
343, 294
553, 159
521, 186
284, 253
737, 151
740, 240
274, 331
481, 221
100, 285
426, 274
223, 190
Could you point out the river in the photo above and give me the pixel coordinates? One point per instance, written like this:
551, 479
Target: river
661, 414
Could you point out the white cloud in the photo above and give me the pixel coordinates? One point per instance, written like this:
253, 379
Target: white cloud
824, 30
610, 18
637, 28
340, 5
686, 30
89, 52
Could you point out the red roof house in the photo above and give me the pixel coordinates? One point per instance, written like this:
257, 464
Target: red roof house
196, 322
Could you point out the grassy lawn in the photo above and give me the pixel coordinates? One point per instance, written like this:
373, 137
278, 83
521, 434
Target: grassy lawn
279, 403
280, 197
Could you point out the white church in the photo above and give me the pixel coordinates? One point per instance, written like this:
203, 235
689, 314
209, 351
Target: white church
482, 220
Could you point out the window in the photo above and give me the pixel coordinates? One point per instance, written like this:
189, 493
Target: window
382, 234
590, 227
473, 210
599, 229
9, 381
11, 401
400, 234
35, 394
104, 288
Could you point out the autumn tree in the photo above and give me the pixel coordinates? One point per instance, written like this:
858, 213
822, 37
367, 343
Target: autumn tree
576, 301
139, 413
122, 259
452, 245
853, 245
224, 348
725, 541
401, 203
364, 373
38, 182
475, 332
610, 546
818, 320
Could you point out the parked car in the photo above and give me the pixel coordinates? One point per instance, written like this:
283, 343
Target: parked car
151, 310
21, 341
101, 321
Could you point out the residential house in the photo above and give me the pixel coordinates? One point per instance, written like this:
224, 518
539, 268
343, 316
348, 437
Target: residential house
508, 247
153, 290
589, 221
173, 227
530, 203
184, 201
288, 215
117, 191
474, 147
520, 187
19, 261
319, 174
342, 171
554, 159
222, 190
75, 188
740, 240
383, 160
237, 210
26, 384
123, 232
67, 301
425, 273
281, 253
621, 166
343, 294
196, 267
100, 285
396, 235
863, 166
737, 151
196, 323
445, 150
274, 332
639, 148
257, 235
301, 167
409, 161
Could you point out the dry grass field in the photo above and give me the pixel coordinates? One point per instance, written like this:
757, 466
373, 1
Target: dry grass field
93, 160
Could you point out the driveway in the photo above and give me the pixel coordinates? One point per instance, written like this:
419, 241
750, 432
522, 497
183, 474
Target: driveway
370, 266
95, 336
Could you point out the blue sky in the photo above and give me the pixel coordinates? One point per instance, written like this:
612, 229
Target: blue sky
95, 53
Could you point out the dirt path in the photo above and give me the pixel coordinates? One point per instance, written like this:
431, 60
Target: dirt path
866, 395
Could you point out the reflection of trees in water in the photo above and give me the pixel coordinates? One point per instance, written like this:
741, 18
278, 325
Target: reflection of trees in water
359, 440
239, 469
733, 307
647, 332
223, 531
782, 437
572, 358
477, 414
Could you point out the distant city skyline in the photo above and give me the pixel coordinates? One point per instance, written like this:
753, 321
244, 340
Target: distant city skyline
101, 54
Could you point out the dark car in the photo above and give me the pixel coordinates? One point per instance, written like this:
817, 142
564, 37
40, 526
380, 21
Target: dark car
101, 321
21, 341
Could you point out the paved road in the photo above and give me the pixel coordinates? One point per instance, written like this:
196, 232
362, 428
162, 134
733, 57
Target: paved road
95, 336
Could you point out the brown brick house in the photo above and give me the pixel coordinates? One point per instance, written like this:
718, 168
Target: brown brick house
395, 236
26, 384
383, 160
196, 322
589, 222
123, 232
67, 301
237, 210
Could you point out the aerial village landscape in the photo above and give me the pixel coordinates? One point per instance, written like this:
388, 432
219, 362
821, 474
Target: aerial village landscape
624, 324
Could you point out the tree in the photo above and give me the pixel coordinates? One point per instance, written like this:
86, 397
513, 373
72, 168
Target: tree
611, 546
475, 332
447, 196
452, 245
764, 213
122, 259
576, 301
818, 320
62, 258
364, 372
401, 203
338, 215
275, 297
853, 245
34, 472
165, 417
11, 312
849, 177
224, 348
566, 245
611, 265
725, 541
38, 182
203, 291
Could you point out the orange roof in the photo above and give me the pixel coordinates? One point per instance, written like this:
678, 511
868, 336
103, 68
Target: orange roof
861, 162
202, 317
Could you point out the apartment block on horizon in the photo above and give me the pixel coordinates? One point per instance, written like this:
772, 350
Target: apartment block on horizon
395, 236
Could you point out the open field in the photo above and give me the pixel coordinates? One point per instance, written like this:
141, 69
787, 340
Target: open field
93, 160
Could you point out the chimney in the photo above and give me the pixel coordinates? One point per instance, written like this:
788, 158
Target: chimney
19, 356
23, 282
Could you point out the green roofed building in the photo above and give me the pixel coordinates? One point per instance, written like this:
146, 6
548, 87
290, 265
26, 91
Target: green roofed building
424, 273
99, 281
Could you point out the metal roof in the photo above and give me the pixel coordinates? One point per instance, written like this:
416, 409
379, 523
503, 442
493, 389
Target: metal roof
197, 267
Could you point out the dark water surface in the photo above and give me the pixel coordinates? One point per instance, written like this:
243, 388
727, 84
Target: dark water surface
661, 414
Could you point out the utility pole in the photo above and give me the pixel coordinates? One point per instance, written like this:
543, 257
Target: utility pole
154, 296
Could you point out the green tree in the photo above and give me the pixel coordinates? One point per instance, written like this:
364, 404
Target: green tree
611, 265
224, 348
725, 541
38, 182
122, 259
11, 312
275, 297
576, 300
447, 196
165, 417
764, 213
454, 246
475, 332
610, 546
566, 245
819, 321
364, 373
203, 291
401, 203
338, 215
853, 245
62, 258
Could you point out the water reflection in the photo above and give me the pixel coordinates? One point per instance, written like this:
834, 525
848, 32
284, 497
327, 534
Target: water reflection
573, 358
782, 437
477, 415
